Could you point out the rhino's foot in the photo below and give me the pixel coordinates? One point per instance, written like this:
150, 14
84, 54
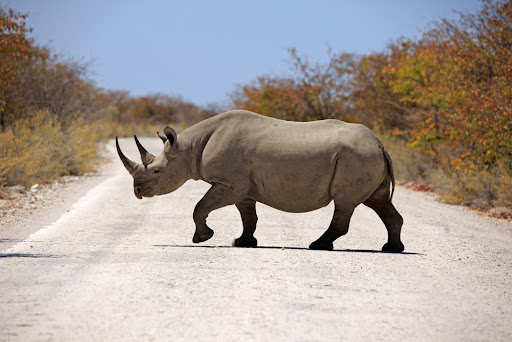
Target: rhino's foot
319, 245
245, 242
202, 236
393, 247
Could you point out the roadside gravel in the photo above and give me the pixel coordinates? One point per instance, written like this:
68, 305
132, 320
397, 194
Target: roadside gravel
23, 211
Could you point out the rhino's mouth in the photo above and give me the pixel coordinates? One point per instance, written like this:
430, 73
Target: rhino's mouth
143, 190
138, 192
141, 195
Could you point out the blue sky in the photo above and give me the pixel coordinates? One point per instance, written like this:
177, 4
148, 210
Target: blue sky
200, 50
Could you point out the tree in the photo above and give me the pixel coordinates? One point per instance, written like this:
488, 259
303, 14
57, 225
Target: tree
460, 76
15, 50
373, 98
311, 92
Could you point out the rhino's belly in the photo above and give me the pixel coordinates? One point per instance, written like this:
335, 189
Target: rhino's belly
292, 194
295, 206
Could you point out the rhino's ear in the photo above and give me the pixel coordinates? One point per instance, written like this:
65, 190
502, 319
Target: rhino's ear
172, 140
171, 135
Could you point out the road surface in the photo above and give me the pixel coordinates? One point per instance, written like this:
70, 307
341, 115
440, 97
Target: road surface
114, 268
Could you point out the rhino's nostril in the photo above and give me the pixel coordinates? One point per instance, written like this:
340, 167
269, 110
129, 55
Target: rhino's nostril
138, 191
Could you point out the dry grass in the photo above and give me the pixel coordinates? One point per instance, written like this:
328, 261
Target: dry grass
112, 128
39, 148
483, 188
409, 164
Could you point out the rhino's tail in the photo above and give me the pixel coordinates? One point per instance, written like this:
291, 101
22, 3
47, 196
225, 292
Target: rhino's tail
389, 165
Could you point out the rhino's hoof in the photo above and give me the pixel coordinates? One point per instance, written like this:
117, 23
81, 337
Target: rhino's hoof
393, 247
204, 236
324, 246
248, 242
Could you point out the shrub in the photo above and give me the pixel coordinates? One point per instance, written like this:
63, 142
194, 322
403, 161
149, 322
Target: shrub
481, 188
38, 149
409, 164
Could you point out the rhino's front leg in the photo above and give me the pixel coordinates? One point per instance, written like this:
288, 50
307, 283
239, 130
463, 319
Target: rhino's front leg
247, 210
217, 197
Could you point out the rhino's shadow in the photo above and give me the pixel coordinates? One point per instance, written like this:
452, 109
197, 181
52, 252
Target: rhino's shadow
26, 255
291, 248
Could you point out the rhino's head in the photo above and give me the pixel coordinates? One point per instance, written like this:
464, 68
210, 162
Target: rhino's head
157, 175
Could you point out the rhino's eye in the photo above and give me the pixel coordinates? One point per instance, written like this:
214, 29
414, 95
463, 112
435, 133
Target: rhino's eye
157, 171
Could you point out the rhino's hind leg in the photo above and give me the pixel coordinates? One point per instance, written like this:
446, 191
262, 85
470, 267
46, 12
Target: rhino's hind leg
217, 197
338, 227
247, 210
379, 201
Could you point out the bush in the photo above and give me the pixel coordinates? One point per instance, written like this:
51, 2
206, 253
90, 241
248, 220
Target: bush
409, 164
38, 149
481, 188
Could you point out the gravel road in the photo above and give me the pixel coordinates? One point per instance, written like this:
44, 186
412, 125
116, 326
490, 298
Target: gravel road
114, 268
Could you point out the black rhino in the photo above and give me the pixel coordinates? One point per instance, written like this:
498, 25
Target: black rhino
291, 166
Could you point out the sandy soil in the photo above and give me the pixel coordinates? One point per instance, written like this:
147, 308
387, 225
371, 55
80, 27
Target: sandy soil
116, 268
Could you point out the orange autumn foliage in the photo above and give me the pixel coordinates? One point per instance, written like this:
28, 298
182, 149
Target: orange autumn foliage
448, 94
15, 49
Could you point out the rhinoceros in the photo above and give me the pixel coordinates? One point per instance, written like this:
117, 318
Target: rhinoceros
291, 166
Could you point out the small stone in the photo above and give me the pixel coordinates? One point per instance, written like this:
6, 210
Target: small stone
15, 188
501, 212
34, 187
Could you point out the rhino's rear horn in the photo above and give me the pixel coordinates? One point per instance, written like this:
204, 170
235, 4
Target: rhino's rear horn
161, 136
128, 164
147, 158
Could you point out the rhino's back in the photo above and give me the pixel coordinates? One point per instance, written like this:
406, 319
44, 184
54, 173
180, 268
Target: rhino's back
264, 139
262, 131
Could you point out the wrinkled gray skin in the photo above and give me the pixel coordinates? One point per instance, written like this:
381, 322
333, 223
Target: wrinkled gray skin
291, 166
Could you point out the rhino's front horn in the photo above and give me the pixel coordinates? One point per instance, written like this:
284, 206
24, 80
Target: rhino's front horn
147, 158
128, 164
